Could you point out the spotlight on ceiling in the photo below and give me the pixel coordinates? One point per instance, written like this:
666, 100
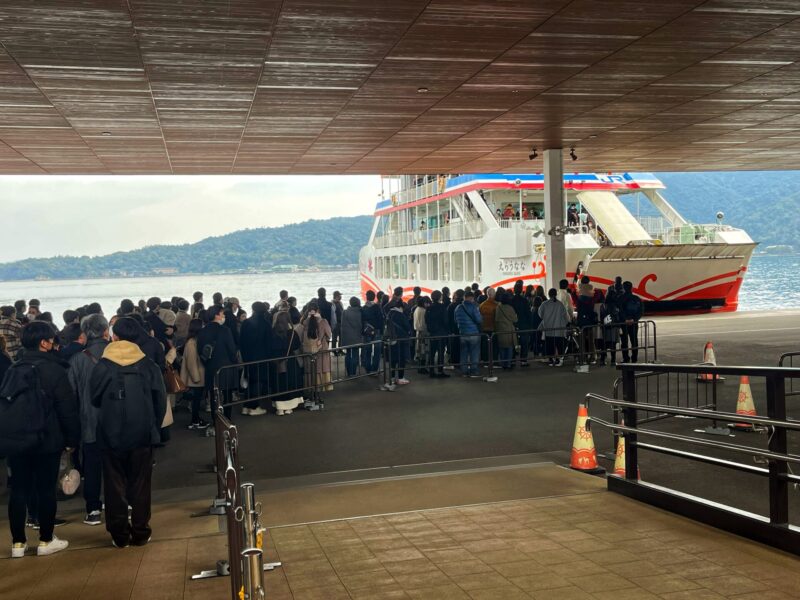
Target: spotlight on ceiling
572, 154
533, 154
422, 90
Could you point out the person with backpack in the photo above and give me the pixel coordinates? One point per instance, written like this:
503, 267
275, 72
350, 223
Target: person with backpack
218, 350
81, 365
128, 390
38, 421
586, 321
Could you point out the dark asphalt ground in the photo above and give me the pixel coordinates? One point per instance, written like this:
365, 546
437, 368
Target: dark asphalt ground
527, 411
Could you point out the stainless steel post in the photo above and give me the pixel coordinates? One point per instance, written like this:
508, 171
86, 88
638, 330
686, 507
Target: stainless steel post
253, 574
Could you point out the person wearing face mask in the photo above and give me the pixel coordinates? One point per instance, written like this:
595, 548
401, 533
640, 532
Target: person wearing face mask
217, 350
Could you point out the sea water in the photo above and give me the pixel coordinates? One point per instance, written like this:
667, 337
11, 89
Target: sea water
770, 284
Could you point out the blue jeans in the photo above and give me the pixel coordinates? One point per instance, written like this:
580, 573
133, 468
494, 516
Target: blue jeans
371, 355
470, 353
351, 361
505, 357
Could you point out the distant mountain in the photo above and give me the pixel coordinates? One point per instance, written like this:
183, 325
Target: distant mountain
766, 204
329, 243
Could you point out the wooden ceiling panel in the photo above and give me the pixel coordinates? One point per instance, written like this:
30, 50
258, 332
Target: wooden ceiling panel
270, 86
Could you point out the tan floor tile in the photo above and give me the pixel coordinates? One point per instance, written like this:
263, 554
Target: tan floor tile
697, 569
448, 555
731, 584
611, 557
562, 593
380, 594
442, 592
519, 568
398, 554
581, 567
465, 567
626, 594
358, 566
410, 567
701, 594
306, 581
423, 579
639, 568
328, 592
768, 595
499, 593
539, 581
493, 557
478, 581
601, 582
367, 579
554, 557
662, 584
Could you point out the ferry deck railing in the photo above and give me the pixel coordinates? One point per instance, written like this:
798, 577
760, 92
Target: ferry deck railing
774, 529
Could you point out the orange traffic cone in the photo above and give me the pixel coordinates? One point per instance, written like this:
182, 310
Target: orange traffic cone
744, 404
711, 359
619, 461
584, 455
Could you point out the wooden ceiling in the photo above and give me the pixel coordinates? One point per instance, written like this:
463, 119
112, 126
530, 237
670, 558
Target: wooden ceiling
393, 86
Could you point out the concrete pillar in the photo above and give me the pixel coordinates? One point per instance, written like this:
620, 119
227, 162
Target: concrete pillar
554, 211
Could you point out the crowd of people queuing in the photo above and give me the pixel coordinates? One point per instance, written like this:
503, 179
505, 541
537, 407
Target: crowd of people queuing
109, 385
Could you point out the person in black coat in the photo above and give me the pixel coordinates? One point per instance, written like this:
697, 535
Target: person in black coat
325, 307
255, 342
454, 347
215, 335
436, 322
522, 307
153, 318
37, 470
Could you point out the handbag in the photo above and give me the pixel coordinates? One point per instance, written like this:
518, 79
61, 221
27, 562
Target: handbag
69, 479
168, 418
173, 382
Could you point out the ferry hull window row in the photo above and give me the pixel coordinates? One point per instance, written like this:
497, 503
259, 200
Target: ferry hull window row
435, 266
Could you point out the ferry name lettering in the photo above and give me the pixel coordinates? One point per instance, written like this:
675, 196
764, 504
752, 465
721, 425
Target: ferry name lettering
511, 266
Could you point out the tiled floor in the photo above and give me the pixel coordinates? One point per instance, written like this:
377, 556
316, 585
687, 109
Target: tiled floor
591, 544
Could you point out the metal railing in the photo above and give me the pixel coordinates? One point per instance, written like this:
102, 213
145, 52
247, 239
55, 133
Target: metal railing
787, 359
244, 564
775, 529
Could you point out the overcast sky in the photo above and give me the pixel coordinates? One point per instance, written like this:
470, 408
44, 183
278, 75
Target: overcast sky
92, 215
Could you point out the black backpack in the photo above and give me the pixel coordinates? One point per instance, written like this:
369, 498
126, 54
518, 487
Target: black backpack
127, 416
24, 409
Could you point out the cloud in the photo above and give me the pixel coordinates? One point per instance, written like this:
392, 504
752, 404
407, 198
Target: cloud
94, 215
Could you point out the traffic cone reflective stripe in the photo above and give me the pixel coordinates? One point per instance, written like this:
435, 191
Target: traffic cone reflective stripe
584, 455
745, 404
619, 460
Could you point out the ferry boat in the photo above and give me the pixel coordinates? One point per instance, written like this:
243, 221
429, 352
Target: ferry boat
452, 230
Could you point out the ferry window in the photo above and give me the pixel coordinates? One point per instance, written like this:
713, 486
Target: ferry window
478, 265
403, 267
458, 266
423, 266
378, 267
395, 268
433, 266
412, 266
469, 265
444, 266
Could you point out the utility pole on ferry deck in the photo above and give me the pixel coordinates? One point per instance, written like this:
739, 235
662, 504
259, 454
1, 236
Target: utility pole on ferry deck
556, 262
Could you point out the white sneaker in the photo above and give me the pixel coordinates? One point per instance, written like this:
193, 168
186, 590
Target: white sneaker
256, 412
51, 547
288, 411
245, 411
280, 412
403, 381
18, 550
560, 362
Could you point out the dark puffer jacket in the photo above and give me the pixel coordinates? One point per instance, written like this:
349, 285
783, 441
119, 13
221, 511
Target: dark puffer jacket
63, 428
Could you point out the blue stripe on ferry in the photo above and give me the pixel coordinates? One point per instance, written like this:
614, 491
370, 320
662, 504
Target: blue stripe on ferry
619, 178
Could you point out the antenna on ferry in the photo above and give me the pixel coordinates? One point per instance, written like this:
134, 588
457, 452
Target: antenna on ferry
720, 216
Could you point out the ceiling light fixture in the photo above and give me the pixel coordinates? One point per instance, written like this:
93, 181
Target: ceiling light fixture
106, 133
422, 90
572, 154
533, 154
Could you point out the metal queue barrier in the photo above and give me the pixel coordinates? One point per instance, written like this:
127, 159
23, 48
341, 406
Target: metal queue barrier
244, 564
787, 359
774, 529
